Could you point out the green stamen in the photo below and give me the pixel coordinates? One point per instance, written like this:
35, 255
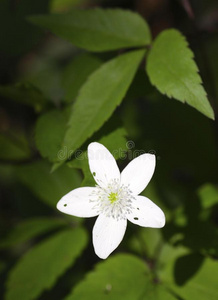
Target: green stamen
113, 197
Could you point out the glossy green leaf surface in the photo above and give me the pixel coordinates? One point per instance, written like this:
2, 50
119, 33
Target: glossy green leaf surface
99, 97
171, 68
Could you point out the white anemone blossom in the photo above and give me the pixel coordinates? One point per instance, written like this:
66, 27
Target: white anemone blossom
114, 199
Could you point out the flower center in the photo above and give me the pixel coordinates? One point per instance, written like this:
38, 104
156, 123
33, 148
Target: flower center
113, 197
114, 201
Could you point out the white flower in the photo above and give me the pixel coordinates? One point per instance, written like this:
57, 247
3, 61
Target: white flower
115, 198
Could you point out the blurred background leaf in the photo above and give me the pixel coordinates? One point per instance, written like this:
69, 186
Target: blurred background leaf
208, 194
14, 147
24, 93
48, 187
107, 28
29, 229
50, 131
193, 277
112, 279
44, 263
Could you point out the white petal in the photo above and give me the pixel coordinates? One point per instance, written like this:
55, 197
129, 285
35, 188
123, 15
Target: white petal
138, 173
102, 164
147, 214
77, 203
107, 235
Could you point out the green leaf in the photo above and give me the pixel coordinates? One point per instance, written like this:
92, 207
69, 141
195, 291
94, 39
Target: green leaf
158, 292
24, 93
203, 285
77, 72
39, 269
166, 259
50, 130
99, 97
98, 29
114, 279
48, 187
171, 68
45, 73
14, 147
146, 242
29, 229
191, 277
208, 194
